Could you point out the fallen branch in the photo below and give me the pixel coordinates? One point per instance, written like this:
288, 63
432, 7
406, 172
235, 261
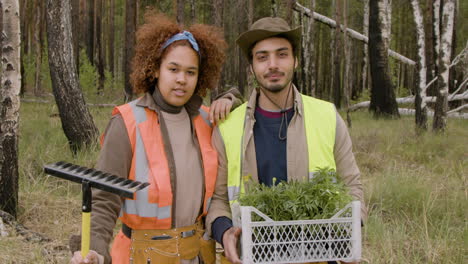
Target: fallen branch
352, 33
22, 230
407, 111
458, 109
409, 100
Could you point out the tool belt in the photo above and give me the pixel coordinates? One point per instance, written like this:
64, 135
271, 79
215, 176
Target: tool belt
170, 246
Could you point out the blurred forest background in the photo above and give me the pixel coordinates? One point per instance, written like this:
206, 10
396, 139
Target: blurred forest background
406, 61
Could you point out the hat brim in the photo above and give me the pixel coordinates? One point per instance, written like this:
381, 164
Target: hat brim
249, 38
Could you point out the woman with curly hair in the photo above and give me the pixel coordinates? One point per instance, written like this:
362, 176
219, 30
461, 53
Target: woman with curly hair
163, 138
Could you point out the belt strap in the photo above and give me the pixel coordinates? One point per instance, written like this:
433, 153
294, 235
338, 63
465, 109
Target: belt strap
126, 230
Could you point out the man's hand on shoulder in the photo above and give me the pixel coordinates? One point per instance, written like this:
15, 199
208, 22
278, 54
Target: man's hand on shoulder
220, 109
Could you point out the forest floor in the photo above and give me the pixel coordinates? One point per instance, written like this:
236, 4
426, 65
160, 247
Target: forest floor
416, 189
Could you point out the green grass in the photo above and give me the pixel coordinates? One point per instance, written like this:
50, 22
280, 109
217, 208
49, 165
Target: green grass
415, 188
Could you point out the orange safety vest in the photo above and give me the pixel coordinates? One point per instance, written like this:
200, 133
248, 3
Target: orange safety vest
151, 207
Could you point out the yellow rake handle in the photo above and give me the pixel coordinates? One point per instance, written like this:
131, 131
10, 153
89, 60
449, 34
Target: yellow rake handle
85, 233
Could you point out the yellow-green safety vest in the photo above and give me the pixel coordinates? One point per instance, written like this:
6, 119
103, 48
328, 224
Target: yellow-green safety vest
320, 126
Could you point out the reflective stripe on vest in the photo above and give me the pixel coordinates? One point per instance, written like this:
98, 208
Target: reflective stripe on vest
152, 206
320, 127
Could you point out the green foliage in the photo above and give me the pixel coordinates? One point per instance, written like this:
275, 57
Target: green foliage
319, 198
88, 76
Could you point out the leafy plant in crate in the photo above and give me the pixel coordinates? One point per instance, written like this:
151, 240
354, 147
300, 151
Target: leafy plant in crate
318, 198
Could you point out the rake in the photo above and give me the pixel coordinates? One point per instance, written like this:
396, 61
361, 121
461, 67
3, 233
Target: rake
92, 178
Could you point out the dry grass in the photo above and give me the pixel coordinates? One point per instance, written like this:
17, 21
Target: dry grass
415, 188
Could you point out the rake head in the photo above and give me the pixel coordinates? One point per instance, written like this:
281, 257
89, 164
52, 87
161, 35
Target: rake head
96, 179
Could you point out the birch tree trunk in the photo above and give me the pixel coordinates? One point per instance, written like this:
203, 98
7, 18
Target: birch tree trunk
10, 104
420, 99
383, 103
429, 45
365, 56
77, 122
441, 107
130, 28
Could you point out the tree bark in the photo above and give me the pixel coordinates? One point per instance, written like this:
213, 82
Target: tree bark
347, 82
441, 107
90, 30
38, 47
383, 103
243, 64
130, 28
10, 103
310, 54
179, 11
365, 56
193, 11
420, 100
429, 45
98, 44
337, 55
77, 122
110, 37
75, 31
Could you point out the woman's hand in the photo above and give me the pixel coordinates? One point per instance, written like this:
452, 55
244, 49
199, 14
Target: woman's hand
92, 258
219, 110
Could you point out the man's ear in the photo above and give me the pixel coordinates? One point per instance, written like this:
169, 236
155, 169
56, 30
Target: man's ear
296, 63
251, 68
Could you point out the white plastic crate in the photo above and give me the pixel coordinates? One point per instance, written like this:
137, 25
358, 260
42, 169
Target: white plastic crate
337, 238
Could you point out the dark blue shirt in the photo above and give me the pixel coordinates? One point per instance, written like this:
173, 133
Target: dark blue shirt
270, 145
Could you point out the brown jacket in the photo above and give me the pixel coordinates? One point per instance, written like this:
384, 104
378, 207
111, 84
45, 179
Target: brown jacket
297, 159
116, 156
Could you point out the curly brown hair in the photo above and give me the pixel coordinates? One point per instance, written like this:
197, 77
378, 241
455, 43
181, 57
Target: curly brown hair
150, 38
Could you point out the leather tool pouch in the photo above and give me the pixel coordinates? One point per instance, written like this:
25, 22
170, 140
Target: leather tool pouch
171, 246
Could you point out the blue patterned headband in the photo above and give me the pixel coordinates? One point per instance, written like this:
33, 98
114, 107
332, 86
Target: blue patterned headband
181, 36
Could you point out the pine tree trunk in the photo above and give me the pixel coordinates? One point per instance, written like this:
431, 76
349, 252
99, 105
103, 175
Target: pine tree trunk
130, 28
110, 37
365, 56
75, 11
383, 102
179, 8
38, 48
98, 45
308, 53
441, 107
77, 122
9, 104
429, 33
193, 11
337, 92
90, 30
347, 82
242, 70
420, 100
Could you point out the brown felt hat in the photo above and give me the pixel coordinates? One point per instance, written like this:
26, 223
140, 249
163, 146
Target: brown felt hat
268, 27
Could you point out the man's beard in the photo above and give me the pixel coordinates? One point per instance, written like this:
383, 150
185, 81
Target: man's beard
275, 87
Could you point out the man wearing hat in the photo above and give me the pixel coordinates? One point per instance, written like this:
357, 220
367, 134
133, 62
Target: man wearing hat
279, 133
